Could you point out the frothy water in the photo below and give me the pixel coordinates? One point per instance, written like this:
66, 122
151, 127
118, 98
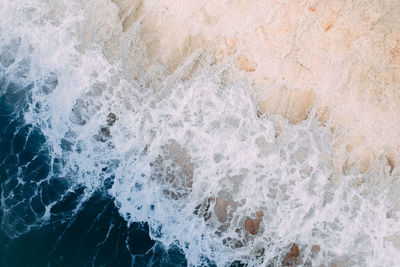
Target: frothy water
88, 104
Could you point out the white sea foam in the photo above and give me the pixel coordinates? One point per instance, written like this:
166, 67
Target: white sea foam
188, 152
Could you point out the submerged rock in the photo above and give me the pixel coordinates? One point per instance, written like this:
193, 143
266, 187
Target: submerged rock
174, 170
203, 209
111, 119
252, 225
292, 257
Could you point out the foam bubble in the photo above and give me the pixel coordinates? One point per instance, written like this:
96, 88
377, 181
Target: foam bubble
178, 143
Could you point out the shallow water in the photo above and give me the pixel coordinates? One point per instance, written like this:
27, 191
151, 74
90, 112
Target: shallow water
121, 146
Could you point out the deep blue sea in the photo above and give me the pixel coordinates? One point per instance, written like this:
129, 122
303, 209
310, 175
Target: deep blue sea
133, 133
93, 234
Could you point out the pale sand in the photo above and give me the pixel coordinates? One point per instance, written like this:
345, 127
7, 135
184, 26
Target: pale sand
336, 60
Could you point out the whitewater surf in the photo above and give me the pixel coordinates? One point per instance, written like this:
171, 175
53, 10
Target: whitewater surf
206, 133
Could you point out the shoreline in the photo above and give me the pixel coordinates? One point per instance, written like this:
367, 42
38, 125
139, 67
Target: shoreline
338, 61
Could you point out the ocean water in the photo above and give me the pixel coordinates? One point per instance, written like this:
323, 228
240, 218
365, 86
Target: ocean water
129, 138
75, 232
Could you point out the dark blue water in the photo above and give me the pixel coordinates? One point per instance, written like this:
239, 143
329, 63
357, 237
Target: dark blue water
44, 220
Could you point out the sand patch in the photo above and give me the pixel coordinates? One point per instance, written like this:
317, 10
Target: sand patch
338, 61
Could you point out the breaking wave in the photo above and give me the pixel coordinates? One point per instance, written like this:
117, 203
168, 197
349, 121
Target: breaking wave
181, 135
